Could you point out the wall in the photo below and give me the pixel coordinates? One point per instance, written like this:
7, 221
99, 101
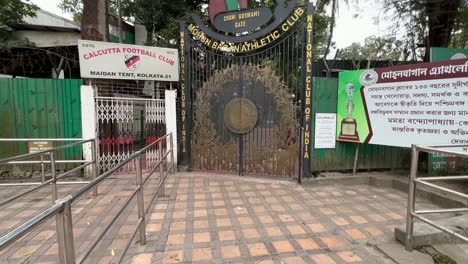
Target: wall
39, 108
49, 39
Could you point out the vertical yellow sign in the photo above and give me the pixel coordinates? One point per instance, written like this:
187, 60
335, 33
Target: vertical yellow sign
182, 90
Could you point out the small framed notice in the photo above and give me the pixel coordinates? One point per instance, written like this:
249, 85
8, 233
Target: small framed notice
325, 131
37, 146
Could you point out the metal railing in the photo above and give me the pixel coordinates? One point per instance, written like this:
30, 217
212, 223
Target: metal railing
42, 161
429, 182
62, 207
53, 154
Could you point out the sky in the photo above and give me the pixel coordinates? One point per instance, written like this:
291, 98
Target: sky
51, 6
358, 21
354, 23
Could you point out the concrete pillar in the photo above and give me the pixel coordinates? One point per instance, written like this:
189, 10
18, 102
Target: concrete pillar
171, 119
88, 122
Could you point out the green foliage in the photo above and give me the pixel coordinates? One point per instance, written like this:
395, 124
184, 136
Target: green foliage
335, 5
162, 18
322, 31
374, 49
75, 8
257, 3
321, 24
13, 11
429, 23
460, 31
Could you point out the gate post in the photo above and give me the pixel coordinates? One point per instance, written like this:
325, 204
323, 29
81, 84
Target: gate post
54, 175
171, 122
65, 239
140, 201
88, 125
307, 117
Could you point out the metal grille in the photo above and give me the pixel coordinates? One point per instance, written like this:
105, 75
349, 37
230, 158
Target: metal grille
130, 88
270, 78
126, 125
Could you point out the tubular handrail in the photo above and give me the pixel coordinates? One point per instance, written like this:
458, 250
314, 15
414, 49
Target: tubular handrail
40, 139
443, 151
62, 207
119, 166
104, 230
102, 177
52, 161
429, 182
125, 98
24, 156
21, 230
154, 143
45, 162
21, 194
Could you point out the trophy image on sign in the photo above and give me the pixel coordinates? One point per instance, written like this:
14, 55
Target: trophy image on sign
349, 125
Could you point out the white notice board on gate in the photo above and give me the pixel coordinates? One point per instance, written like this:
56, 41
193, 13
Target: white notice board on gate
104, 60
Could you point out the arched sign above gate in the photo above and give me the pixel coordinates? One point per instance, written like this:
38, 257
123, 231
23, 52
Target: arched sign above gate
222, 43
282, 11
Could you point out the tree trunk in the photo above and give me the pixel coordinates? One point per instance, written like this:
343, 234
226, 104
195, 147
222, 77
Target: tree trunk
94, 23
441, 16
332, 27
149, 35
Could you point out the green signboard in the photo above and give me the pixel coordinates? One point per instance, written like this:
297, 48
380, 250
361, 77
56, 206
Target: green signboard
232, 5
352, 124
443, 54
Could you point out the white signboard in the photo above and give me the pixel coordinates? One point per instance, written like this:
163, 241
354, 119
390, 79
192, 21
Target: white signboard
436, 117
422, 104
104, 60
325, 131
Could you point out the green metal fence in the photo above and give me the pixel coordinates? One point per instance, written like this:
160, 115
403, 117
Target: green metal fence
39, 108
325, 95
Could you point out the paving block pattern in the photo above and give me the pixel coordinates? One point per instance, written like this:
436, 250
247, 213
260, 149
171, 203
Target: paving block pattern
209, 218
228, 219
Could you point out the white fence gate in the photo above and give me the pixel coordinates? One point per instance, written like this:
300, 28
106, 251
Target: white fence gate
124, 125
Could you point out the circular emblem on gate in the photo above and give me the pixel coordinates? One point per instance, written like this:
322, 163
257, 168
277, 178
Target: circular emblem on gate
240, 115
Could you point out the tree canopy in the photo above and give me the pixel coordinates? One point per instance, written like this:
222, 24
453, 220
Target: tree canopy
162, 18
75, 8
374, 49
429, 23
14, 11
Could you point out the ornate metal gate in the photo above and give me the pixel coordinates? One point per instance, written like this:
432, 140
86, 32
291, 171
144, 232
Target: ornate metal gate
126, 125
244, 95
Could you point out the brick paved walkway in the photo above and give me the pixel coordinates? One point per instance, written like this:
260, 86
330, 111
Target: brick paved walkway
225, 219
